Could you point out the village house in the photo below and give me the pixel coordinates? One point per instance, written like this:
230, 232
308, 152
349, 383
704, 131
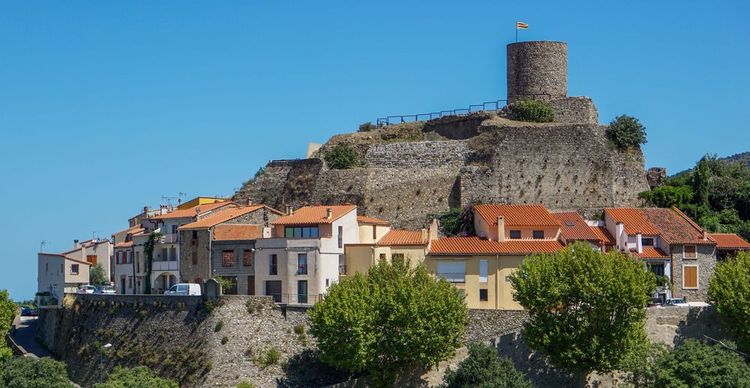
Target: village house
94, 251
124, 257
59, 274
728, 245
303, 256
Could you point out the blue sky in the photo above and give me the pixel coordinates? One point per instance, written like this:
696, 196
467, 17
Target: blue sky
107, 106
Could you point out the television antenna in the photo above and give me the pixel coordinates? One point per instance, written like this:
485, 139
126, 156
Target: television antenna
41, 246
169, 199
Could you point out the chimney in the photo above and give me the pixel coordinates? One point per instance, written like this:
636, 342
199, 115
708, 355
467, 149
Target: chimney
705, 234
289, 210
433, 230
145, 210
639, 242
500, 228
329, 213
619, 230
425, 234
76, 244
249, 202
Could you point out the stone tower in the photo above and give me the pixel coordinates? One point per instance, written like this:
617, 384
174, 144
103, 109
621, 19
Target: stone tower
537, 70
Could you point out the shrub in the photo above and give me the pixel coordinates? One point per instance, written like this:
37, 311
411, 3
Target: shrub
224, 340
695, 364
245, 384
532, 110
136, 377
33, 372
219, 325
456, 221
250, 306
271, 357
299, 329
729, 291
483, 368
625, 132
366, 127
341, 157
8, 311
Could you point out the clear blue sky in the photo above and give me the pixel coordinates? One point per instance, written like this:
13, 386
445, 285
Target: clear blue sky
105, 107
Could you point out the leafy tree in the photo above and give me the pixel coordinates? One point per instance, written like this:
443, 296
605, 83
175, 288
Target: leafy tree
97, 274
729, 291
701, 183
695, 364
390, 320
30, 372
625, 132
586, 308
484, 369
668, 196
8, 311
138, 377
225, 283
456, 221
342, 156
532, 110
148, 249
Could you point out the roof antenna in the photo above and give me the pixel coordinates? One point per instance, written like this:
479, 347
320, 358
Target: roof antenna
41, 246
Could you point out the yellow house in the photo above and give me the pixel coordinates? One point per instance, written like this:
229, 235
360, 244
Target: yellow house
200, 201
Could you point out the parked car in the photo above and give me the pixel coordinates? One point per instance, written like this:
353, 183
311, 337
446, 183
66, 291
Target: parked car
33, 312
87, 289
192, 289
25, 311
107, 290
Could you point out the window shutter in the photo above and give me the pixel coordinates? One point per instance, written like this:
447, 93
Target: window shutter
690, 276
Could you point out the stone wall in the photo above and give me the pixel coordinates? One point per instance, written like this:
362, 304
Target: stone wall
195, 256
537, 70
706, 262
575, 110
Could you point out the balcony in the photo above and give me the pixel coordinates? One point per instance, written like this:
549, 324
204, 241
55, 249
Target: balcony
169, 238
455, 278
166, 266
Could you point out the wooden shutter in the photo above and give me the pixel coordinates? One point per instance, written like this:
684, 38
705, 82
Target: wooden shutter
690, 276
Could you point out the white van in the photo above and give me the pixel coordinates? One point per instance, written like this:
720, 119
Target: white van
192, 289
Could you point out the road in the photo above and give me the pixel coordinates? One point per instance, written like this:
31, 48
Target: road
25, 336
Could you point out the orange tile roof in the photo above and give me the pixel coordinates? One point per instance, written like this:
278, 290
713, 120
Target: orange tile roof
222, 215
371, 221
475, 245
127, 244
675, 227
574, 227
603, 235
402, 237
729, 241
315, 215
132, 230
191, 212
633, 220
517, 215
237, 232
650, 253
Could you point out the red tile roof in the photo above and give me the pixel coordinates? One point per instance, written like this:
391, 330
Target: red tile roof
315, 215
651, 253
729, 241
633, 220
402, 237
574, 227
193, 211
603, 235
516, 215
237, 232
222, 215
371, 221
675, 227
127, 244
475, 245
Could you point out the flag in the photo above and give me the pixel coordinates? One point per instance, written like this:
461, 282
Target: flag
521, 26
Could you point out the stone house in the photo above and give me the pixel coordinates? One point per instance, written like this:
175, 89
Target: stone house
196, 239
305, 252
728, 245
233, 256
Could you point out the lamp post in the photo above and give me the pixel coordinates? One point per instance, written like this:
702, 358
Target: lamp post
101, 361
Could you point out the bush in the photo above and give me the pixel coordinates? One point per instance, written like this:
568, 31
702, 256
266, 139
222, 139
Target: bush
586, 308
341, 157
299, 329
456, 221
695, 364
138, 377
483, 368
668, 196
33, 372
224, 340
625, 132
8, 311
532, 110
392, 318
219, 325
729, 291
271, 357
245, 384
97, 274
366, 127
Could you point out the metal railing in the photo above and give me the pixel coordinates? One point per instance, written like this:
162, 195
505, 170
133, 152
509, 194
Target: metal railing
398, 119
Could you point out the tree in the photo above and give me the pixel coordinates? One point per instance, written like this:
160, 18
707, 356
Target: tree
456, 221
8, 311
97, 274
342, 156
30, 372
138, 377
586, 308
668, 196
390, 320
625, 132
701, 183
729, 291
484, 369
695, 364
148, 248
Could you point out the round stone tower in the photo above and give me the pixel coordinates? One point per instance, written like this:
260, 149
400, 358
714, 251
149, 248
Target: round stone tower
537, 70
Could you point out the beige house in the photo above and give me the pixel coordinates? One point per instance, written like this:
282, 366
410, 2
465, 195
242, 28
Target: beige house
94, 252
58, 274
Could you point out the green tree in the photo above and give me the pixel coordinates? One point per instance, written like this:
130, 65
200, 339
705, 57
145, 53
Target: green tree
390, 320
138, 377
341, 156
97, 274
484, 369
625, 132
532, 110
668, 196
8, 311
148, 249
729, 291
30, 372
701, 182
456, 221
586, 308
694, 365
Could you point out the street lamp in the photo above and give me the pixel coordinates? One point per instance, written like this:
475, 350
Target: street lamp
101, 361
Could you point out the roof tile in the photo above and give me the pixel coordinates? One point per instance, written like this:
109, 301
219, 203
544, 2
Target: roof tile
402, 237
222, 215
371, 221
475, 245
315, 215
517, 215
193, 211
729, 241
229, 232
574, 227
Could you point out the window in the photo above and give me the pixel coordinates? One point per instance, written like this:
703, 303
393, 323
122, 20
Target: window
130, 282
690, 276
515, 234
173, 254
137, 262
247, 257
452, 271
195, 235
656, 268
483, 295
117, 258
195, 258
538, 234
397, 257
302, 291
483, 270
341, 236
273, 288
164, 253
374, 232
74, 269
302, 264
91, 259
273, 265
647, 242
689, 252
227, 258
301, 232
381, 257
